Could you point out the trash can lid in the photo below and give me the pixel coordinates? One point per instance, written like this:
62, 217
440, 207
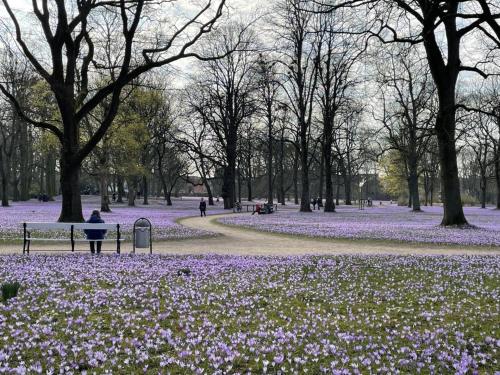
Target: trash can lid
144, 223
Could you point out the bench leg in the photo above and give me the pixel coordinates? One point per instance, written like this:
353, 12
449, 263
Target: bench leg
118, 237
72, 238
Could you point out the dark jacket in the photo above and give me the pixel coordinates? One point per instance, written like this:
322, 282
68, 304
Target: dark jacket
203, 206
95, 234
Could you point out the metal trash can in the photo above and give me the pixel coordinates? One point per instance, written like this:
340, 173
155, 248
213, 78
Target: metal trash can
142, 233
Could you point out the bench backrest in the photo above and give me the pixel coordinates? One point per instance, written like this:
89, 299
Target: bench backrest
68, 226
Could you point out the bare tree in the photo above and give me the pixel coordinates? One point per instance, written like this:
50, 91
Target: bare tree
408, 112
268, 91
14, 144
223, 100
338, 55
442, 27
192, 138
433, 23
295, 29
68, 35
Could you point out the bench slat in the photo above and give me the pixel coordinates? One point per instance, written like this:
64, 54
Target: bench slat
67, 226
82, 226
53, 226
45, 239
69, 239
105, 240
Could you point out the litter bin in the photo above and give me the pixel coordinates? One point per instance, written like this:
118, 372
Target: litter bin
142, 234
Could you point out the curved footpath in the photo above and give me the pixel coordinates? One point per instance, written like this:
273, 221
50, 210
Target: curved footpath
232, 240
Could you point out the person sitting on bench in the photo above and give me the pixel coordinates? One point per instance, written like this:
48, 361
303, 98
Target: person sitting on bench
94, 235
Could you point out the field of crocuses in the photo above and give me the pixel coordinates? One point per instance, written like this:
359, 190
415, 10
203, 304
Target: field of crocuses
388, 222
239, 315
162, 217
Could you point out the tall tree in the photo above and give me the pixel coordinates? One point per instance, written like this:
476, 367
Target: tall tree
223, 99
295, 29
268, 88
408, 112
437, 23
70, 37
338, 53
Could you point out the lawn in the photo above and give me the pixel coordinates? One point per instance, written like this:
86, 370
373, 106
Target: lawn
163, 217
387, 222
227, 315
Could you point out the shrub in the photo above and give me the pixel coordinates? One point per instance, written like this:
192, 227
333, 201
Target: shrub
468, 200
9, 290
403, 201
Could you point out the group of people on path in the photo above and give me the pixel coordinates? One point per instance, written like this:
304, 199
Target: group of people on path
317, 202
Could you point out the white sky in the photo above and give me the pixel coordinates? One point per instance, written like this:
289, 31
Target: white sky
239, 9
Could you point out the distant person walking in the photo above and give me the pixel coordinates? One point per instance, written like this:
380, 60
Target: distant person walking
319, 201
313, 202
203, 207
95, 235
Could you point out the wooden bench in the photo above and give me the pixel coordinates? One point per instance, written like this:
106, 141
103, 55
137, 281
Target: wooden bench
251, 207
70, 228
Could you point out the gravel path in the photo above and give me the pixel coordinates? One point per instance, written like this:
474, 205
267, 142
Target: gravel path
239, 241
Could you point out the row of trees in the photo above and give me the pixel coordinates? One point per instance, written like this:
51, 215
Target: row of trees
309, 96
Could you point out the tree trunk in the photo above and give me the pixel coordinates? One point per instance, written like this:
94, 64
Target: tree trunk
281, 187
228, 193
347, 188
16, 195
321, 178
305, 204
5, 181
168, 197
450, 183
209, 191
426, 189
71, 210
497, 178
239, 185
145, 190
5, 191
229, 176
431, 188
104, 193
270, 193
410, 193
281, 172
483, 185
295, 177
337, 194
25, 172
121, 190
415, 198
42, 181
413, 176
327, 157
249, 180
131, 195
